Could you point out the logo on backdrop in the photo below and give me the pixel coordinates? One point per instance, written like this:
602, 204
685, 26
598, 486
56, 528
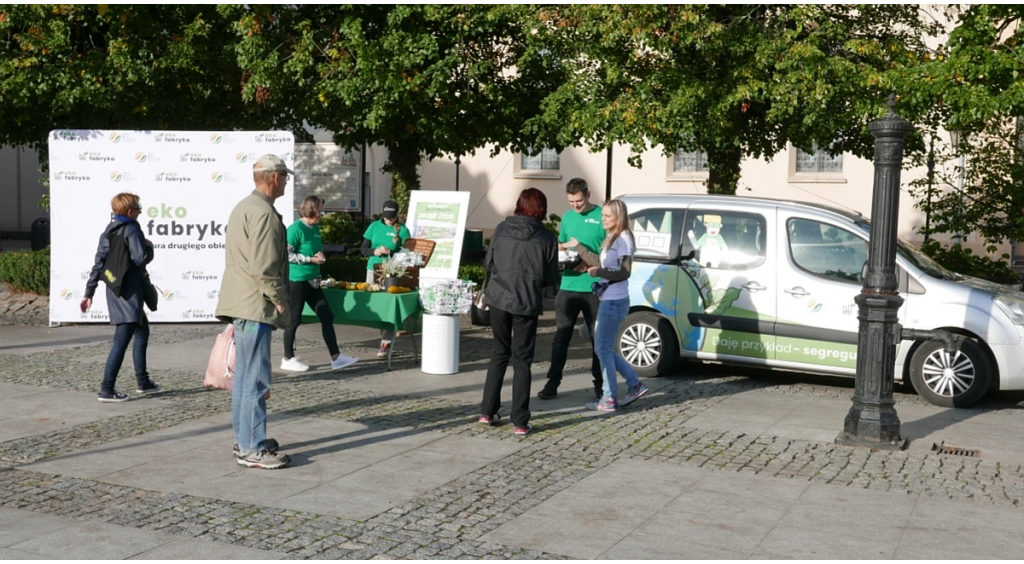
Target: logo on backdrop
219, 177
118, 137
118, 176
142, 158
71, 176
94, 156
171, 138
219, 138
172, 177
197, 275
242, 158
65, 135
70, 294
197, 158
273, 138
171, 294
196, 314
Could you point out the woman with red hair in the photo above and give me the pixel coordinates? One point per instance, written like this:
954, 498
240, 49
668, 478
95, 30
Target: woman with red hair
521, 261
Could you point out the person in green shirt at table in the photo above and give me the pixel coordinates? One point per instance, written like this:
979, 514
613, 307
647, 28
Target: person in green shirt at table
383, 238
575, 295
305, 255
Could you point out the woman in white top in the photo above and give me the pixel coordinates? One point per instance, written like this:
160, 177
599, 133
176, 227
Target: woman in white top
614, 266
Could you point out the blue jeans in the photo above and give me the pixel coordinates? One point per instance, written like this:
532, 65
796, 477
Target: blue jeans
252, 382
123, 332
610, 316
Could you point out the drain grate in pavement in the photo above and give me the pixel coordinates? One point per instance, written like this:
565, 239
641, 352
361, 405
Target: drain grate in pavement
941, 448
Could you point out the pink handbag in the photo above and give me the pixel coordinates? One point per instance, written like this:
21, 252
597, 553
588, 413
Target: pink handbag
220, 370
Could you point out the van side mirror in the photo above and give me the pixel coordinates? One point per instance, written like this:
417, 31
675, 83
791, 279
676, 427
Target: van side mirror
864, 271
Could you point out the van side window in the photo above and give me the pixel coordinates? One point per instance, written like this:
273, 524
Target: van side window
826, 250
657, 232
725, 239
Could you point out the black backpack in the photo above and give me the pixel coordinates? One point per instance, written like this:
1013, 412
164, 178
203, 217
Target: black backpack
118, 262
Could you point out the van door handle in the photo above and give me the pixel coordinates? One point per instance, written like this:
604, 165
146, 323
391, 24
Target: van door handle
754, 287
797, 292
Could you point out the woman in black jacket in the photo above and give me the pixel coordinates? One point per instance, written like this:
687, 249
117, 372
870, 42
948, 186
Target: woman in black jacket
521, 261
126, 312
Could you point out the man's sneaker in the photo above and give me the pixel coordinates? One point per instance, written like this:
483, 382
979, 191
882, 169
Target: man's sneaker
522, 431
113, 397
272, 446
342, 362
385, 347
603, 404
548, 393
492, 420
634, 393
148, 387
264, 459
293, 364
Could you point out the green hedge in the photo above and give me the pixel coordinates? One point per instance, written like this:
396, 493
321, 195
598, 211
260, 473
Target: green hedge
26, 271
30, 271
472, 272
345, 269
962, 260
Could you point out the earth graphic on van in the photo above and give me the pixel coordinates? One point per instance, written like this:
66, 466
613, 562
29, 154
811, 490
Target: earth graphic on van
674, 305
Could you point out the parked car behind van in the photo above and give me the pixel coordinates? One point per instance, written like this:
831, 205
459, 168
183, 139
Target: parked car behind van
772, 283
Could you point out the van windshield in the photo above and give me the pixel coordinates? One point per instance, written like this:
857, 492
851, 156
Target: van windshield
922, 261
926, 263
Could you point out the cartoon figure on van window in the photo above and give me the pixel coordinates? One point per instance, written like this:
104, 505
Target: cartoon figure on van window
711, 244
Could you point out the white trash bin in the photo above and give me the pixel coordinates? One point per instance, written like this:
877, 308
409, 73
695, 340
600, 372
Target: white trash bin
440, 344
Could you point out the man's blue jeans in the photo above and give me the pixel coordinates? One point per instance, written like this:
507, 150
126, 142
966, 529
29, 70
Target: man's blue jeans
610, 316
252, 382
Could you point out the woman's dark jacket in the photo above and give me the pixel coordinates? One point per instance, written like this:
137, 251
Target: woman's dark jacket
521, 261
128, 307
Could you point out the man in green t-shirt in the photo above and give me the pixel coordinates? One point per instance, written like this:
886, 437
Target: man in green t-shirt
583, 223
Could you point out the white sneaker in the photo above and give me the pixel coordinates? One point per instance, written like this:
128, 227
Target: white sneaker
293, 364
343, 361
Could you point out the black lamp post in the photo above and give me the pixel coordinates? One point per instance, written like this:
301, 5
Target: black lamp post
872, 420
457, 163
931, 179
955, 139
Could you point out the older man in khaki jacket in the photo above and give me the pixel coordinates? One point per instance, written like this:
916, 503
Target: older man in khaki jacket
254, 296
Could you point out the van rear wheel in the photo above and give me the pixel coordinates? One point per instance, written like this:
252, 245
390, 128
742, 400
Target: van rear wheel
648, 344
951, 379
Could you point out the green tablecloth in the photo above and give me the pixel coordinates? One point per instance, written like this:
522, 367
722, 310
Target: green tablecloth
379, 310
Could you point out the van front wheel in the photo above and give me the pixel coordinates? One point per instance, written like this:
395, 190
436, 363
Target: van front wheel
951, 379
648, 344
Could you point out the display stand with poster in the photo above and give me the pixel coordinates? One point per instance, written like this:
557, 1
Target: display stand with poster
440, 217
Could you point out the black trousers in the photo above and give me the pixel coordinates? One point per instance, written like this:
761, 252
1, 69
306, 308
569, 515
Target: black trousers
568, 307
299, 294
515, 338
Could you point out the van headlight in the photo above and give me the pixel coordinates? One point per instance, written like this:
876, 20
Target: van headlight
1012, 307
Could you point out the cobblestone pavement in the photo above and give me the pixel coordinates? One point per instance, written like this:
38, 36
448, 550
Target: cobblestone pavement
448, 521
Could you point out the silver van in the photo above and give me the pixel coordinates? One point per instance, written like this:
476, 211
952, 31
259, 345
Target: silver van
772, 283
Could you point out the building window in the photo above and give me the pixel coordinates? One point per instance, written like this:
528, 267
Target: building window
547, 159
693, 161
818, 162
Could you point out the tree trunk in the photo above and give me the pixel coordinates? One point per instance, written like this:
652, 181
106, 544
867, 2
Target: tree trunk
402, 164
724, 170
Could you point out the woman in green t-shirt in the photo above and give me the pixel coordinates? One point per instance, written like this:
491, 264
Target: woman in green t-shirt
305, 255
383, 238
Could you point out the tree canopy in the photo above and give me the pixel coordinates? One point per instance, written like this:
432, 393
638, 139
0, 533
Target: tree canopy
119, 67
736, 81
422, 80
975, 84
